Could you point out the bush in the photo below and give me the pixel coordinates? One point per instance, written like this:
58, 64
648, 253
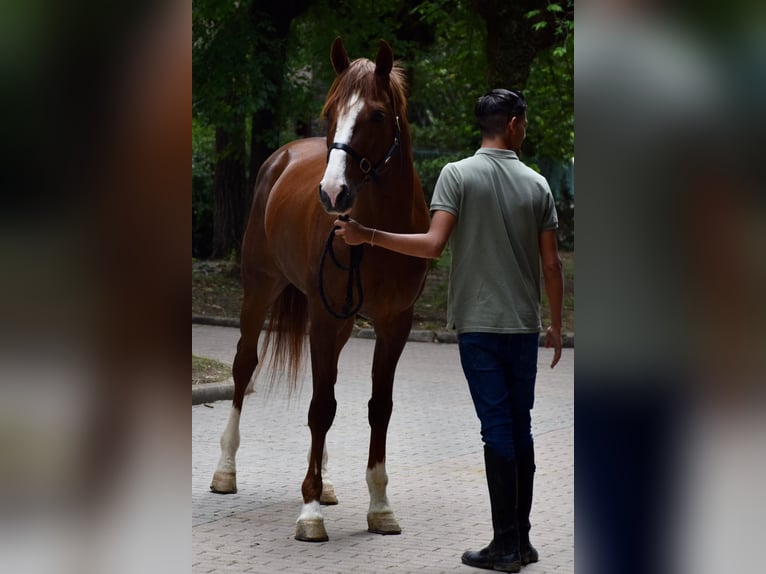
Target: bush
203, 162
429, 165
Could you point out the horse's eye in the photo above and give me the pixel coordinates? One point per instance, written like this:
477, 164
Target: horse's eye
378, 115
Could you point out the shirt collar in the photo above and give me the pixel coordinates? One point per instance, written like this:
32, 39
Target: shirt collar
496, 152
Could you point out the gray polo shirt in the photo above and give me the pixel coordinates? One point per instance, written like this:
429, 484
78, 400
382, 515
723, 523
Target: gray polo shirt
501, 207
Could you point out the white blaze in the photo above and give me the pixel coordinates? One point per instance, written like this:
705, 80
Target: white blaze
334, 175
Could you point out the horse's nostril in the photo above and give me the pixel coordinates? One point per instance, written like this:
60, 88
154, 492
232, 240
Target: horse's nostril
342, 195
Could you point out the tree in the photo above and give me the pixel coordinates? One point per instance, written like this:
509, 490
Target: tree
516, 32
238, 61
526, 41
261, 71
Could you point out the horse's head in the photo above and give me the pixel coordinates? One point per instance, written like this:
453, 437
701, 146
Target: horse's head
363, 110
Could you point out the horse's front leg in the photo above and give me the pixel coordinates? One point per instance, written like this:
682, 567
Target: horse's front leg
390, 340
310, 525
326, 341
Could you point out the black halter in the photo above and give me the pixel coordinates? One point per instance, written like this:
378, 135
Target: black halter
364, 164
354, 280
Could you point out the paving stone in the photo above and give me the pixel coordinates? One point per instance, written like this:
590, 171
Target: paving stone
435, 467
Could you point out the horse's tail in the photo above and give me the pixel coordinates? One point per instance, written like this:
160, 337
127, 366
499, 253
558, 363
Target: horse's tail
286, 337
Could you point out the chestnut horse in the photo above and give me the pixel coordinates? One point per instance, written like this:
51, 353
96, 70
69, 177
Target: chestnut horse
364, 169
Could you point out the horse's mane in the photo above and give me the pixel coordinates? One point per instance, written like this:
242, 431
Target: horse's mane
360, 77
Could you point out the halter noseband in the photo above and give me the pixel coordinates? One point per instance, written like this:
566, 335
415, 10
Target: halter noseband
364, 164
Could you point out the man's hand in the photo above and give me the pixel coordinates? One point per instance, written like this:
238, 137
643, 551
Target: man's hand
352, 232
553, 339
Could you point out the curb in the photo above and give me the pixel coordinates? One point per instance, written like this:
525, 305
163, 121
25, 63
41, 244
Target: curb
418, 336
212, 392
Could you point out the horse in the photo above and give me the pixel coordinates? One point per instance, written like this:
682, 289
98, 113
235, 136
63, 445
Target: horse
363, 169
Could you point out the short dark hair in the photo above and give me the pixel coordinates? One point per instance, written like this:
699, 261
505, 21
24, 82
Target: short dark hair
496, 107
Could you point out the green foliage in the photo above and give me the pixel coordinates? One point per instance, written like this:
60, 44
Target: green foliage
203, 160
555, 14
429, 165
448, 77
224, 72
308, 73
442, 43
550, 86
232, 48
550, 97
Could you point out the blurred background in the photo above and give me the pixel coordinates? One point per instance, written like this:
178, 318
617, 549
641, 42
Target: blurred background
96, 103
670, 365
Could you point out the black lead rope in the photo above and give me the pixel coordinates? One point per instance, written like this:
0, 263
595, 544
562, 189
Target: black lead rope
354, 276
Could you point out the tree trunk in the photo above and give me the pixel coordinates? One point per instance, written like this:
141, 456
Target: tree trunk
512, 44
230, 190
273, 52
263, 129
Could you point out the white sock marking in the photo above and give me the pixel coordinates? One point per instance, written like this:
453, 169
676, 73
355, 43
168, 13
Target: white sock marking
377, 480
230, 443
311, 511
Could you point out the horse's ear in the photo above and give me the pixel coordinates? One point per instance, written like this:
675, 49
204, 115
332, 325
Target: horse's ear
338, 56
384, 60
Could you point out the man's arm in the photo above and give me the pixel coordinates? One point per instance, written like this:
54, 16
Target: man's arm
553, 276
427, 245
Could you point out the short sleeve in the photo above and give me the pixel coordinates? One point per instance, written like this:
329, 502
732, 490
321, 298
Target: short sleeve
448, 191
550, 219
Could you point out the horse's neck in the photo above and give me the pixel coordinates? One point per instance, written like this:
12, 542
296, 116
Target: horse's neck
393, 201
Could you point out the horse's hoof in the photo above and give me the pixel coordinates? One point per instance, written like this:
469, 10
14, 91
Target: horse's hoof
383, 523
328, 497
224, 483
311, 530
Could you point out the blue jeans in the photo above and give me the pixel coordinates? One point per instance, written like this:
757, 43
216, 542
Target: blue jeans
501, 370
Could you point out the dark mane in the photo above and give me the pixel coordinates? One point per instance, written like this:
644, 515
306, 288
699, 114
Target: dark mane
360, 77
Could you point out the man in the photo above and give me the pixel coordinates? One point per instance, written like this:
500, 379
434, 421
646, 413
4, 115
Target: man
500, 219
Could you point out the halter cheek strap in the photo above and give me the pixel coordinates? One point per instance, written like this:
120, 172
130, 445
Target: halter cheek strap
364, 164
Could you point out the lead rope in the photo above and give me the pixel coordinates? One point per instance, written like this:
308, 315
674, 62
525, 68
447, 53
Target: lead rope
354, 276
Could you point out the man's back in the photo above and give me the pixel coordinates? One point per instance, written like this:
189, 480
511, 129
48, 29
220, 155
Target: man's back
501, 207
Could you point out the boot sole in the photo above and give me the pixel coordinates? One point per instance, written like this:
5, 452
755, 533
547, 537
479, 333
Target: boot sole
483, 565
506, 567
512, 567
529, 558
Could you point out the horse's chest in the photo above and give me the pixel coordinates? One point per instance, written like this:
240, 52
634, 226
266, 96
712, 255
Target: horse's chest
395, 284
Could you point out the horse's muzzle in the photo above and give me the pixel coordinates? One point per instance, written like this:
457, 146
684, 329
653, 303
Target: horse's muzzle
344, 200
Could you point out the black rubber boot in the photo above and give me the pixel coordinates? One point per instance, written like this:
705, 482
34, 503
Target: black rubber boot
525, 471
502, 553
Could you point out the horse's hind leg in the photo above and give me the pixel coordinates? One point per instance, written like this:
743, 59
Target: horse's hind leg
390, 340
328, 490
254, 308
328, 497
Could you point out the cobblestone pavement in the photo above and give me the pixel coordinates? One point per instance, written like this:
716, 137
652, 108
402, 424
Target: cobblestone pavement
435, 466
